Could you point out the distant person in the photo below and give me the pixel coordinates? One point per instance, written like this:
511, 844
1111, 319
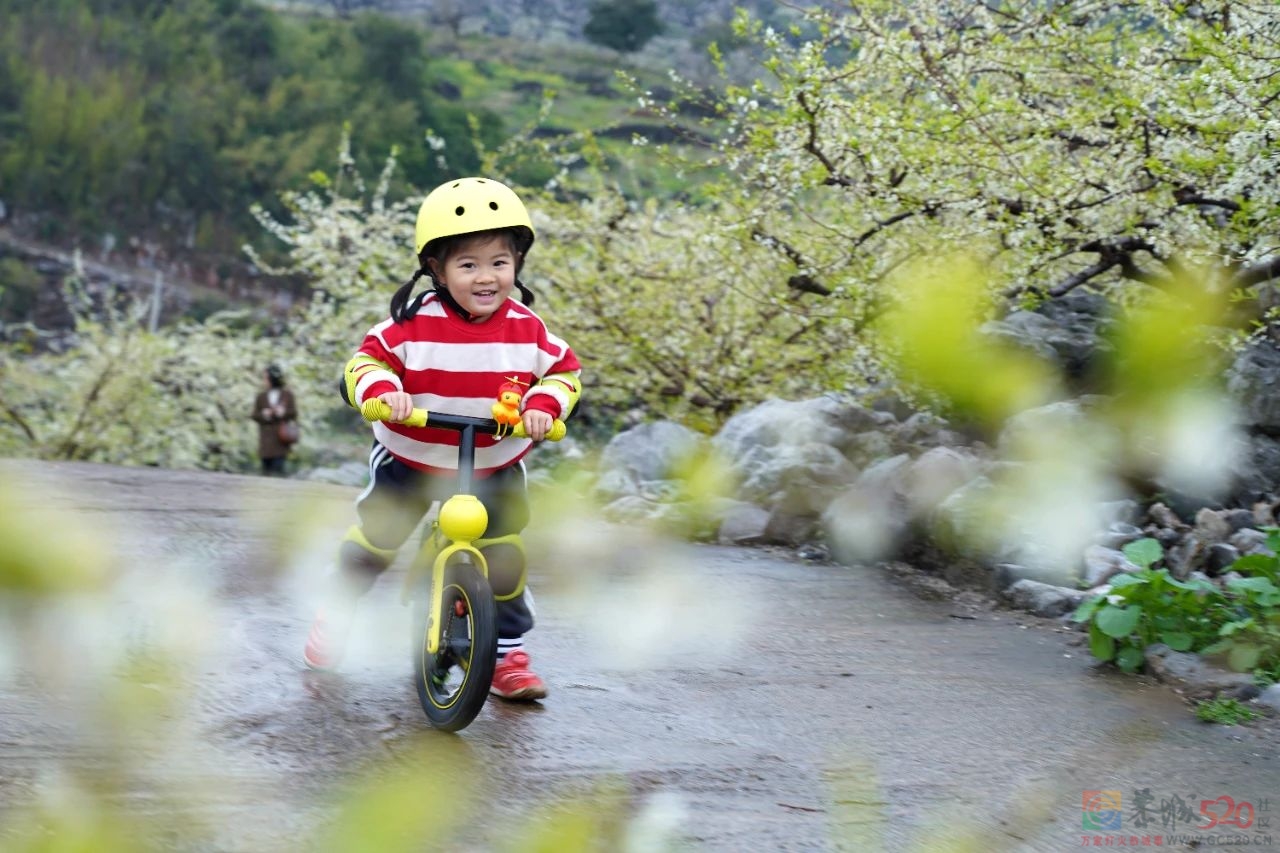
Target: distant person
454, 348
277, 415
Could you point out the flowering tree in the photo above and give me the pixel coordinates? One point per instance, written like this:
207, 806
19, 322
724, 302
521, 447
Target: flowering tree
177, 398
1083, 142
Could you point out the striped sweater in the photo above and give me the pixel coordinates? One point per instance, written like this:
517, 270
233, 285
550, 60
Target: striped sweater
450, 365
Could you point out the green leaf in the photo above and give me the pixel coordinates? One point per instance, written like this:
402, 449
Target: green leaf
1218, 647
1101, 646
1125, 579
1179, 641
1087, 608
1255, 584
1118, 622
1143, 552
1234, 626
1244, 657
1184, 585
1130, 659
1257, 564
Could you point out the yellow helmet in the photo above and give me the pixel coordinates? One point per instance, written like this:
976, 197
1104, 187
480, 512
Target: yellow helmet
466, 205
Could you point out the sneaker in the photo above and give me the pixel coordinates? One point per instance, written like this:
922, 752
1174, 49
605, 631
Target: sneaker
327, 640
513, 680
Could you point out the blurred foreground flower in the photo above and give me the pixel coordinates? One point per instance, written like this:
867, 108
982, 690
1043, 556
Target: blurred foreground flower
935, 332
1155, 418
44, 552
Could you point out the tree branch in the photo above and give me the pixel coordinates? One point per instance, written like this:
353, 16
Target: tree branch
801, 283
834, 176
1257, 273
1112, 254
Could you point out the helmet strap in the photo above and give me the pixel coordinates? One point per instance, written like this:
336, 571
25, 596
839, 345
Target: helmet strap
447, 299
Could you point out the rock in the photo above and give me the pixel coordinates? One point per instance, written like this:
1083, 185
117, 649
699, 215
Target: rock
1196, 677
1212, 526
651, 451
1044, 599
814, 551
1238, 518
1221, 556
1270, 697
1165, 517
1118, 534
935, 474
1063, 330
743, 524
788, 528
1102, 563
1187, 556
1254, 380
615, 483
1249, 541
1167, 537
1005, 575
631, 508
863, 524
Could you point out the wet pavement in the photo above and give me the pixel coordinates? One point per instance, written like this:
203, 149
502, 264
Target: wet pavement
732, 699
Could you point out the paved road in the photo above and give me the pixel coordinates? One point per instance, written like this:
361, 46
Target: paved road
737, 698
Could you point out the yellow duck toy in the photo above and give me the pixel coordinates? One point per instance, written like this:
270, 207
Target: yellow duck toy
507, 410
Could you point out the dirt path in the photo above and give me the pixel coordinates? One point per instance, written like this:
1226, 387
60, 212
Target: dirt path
749, 700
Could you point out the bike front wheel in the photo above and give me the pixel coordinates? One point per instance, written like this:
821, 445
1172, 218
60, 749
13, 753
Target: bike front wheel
453, 683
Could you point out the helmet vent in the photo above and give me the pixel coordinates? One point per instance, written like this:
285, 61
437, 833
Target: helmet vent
459, 210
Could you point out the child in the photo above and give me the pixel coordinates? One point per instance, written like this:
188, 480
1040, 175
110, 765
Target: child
450, 349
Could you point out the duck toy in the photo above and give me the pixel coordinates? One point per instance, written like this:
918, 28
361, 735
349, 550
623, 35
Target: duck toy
507, 410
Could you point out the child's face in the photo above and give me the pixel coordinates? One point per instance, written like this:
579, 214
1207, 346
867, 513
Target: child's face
479, 275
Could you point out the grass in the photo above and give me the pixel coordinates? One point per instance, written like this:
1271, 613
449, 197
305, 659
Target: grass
1225, 712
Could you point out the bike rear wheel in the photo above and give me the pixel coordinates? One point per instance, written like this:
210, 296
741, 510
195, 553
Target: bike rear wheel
453, 684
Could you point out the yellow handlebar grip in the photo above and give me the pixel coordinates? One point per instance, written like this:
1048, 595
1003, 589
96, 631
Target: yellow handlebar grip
557, 431
376, 410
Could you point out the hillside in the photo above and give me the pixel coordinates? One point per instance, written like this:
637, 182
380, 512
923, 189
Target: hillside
264, 114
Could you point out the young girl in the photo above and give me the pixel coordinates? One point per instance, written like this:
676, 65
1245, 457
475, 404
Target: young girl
450, 349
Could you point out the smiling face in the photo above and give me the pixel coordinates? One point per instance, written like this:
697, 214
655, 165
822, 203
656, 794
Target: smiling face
479, 274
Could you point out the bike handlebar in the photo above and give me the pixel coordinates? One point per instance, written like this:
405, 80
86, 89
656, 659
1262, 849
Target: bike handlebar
377, 410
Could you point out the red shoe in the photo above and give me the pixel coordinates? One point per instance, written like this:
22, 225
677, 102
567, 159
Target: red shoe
327, 640
513, 680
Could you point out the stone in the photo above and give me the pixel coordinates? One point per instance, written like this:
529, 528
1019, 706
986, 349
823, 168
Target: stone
1044, 599
1195, 676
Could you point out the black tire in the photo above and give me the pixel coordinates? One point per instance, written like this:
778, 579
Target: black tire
453, 684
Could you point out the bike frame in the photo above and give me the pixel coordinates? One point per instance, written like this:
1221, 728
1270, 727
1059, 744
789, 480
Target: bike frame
462, 519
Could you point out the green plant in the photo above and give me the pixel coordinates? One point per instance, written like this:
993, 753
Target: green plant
1240, 623
1251, 639
1266, 565
1149, 606
1226, 712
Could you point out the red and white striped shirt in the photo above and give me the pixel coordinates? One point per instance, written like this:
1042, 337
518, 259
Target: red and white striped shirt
450, 365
